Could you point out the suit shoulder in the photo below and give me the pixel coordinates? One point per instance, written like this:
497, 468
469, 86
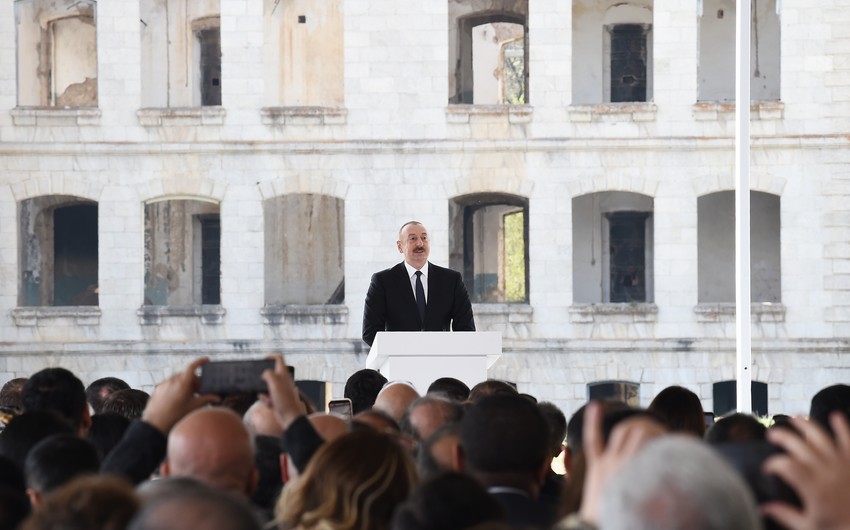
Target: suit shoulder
392, 271
444, 270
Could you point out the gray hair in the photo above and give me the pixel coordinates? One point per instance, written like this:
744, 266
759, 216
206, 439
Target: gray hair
677, 483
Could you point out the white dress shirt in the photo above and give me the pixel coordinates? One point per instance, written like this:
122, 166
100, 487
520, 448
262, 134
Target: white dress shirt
411, 272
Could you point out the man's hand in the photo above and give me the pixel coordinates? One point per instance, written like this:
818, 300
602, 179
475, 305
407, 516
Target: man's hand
603, 462
818, 469
283, 394
176, 397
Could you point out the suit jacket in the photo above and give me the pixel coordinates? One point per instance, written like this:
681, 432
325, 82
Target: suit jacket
391, 305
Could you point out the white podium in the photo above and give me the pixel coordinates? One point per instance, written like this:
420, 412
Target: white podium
423, 356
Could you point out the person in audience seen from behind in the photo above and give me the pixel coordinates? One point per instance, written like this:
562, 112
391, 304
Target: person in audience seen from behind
449, 501
143, 446
106, 431
328, 426
59, 390
86, 503
26, 430
439, 452
680, 409
213, 446
186, 504
449, 387
55, 461
14, 505
395, 398
128, 402
735, 427
354, 482
427, 414
489, 388
98, 391
676, 483
834, 398
504, 444
553, 484
362, 387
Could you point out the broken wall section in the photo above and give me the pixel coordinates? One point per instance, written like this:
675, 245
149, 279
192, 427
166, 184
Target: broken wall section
56, 53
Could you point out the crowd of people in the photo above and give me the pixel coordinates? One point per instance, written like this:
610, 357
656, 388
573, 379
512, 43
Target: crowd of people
454, 458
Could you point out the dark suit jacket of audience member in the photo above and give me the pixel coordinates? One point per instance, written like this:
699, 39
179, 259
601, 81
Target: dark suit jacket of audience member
391, 305
524, 512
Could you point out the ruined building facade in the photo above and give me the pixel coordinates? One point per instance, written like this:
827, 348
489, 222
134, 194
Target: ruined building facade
222, 177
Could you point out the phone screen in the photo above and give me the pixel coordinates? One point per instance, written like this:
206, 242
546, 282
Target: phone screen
341, 407
227, 377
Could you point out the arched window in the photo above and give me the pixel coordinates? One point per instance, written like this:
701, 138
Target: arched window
58, 252
613, 248
489, 244
182, 253
488, 52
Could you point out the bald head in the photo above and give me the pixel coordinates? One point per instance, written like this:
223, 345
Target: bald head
329, 426
262, 421
214, 447
395, 398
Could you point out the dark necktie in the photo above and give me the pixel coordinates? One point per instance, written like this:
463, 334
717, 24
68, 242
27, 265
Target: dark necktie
420, 296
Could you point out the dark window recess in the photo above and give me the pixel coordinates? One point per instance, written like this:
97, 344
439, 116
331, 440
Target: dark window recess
210, 40
211, 260
627, 232
623, 391
628, 63
75, 255
725, 394
302, 19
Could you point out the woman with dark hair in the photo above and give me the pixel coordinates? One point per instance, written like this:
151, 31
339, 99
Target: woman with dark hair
352, 483
680, 409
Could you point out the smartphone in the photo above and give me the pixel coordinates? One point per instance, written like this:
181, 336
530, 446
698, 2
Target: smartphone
341, 407
228, 377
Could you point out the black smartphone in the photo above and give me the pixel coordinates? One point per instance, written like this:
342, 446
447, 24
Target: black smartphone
341, 407
229, 377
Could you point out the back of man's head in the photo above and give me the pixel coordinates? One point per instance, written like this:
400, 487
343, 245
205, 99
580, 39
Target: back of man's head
490, 388
557, 423
178, 504
835, 398
98, 391
677, 483
736, 427
57, 460
127, 402
10, 394
452, 388
504, 434
59, 390
213, 446
362, 388
395, 398
26, 430
427, 414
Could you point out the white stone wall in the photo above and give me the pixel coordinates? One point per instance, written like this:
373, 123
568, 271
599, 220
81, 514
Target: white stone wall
398, 153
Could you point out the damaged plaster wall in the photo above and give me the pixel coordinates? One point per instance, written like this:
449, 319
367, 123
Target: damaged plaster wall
172, 251
464, 15
170, 62
304, 53
591, 57
304, 249
717, 51
56, 53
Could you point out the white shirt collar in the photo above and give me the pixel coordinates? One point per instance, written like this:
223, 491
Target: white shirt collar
411, 270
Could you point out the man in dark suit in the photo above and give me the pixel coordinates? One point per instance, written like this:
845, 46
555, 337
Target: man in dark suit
392, 303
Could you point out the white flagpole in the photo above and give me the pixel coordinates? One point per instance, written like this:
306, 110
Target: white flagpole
743, 322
